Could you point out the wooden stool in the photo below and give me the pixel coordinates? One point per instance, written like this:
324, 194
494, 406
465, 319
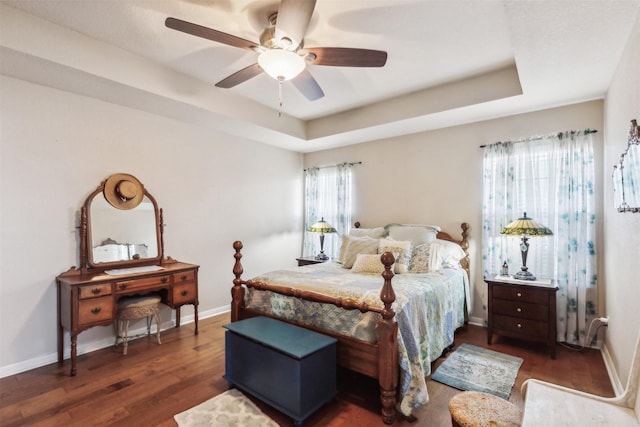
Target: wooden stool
478, 409
131, 308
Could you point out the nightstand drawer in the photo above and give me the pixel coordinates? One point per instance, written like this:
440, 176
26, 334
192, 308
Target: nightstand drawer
520, 293
524, 327
520, 309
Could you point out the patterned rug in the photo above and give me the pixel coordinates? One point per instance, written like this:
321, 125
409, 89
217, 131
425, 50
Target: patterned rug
475, 368
229, 409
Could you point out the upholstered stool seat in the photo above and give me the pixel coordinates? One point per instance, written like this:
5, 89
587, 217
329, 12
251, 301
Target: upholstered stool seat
478, 409
138, 307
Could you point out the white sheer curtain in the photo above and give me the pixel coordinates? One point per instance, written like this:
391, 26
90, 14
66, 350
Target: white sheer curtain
552, 180
328, 193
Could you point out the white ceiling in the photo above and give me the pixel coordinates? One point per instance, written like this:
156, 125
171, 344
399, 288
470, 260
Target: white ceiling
449, 61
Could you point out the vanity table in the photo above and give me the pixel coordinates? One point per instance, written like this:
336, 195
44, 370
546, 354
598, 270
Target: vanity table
121, 254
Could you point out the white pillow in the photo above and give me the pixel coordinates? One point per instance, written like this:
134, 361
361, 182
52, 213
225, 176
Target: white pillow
368, 263
420, 259
415, 233
359, 245
401, 250
374, 233
448, 254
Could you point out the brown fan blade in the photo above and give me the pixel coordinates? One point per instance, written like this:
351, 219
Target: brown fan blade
240, 76
293, 20
209, 33
346, 57
308, 86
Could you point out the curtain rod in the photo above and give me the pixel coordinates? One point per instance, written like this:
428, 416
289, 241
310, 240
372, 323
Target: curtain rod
338, 164
537, 138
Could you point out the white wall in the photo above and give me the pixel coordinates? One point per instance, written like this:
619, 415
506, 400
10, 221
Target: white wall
622, 230
436, 177
56, 147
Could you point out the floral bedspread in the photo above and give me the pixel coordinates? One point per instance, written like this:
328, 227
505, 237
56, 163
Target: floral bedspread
429, 308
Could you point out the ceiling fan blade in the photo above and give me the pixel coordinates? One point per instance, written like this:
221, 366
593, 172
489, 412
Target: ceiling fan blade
346, 57
209, 33
240, 76
293, 20
308, 86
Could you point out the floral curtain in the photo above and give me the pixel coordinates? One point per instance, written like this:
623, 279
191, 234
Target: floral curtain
552, 180
328, 193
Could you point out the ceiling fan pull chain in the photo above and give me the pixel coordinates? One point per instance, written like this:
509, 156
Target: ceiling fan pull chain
280, 79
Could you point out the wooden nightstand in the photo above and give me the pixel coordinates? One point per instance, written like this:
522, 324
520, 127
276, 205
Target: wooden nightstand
522, 309
309, 260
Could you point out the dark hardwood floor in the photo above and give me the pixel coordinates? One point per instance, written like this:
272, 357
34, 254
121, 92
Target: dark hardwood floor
154, 382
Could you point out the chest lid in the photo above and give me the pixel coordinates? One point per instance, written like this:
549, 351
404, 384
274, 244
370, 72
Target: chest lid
289, 339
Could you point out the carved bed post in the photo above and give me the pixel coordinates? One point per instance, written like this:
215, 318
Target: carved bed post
464, 244
237, 291
388, 344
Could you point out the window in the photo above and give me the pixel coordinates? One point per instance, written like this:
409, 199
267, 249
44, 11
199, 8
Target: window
552, 180
327, 195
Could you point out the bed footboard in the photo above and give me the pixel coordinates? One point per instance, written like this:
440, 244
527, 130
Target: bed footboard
376, 360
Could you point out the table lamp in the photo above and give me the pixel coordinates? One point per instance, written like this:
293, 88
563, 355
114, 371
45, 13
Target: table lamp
525, 227
322, 227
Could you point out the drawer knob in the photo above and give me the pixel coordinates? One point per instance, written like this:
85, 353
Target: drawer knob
183, 277
123, 286
96, 291
519, 325
184, 292
164, 279
96, 310
519, 294
519, 310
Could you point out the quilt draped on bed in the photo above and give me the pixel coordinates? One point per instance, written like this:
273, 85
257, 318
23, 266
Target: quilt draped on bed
429, 308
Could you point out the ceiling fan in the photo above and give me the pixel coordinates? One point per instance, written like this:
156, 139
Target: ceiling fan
282, 54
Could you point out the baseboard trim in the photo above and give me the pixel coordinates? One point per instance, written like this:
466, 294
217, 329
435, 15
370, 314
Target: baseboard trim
49, 358
618, 387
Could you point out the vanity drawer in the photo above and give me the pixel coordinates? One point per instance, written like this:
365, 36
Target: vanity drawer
95, 310
95, 291
184, 276
135, 284
520, 309
184, 293
520, 293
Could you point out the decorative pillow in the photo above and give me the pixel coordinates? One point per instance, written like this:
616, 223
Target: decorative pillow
359, 245
368, 263
420, 259
447, 254
401, 250
374, 233
415, 233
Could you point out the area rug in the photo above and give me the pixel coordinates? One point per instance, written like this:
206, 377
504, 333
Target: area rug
229, 409
475, 368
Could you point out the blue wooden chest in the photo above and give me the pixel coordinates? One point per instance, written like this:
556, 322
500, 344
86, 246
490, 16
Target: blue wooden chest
288, 367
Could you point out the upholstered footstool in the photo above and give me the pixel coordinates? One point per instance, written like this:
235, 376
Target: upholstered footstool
139, 307
478, 409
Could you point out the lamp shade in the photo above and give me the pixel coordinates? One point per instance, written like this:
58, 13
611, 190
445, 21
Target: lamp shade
525, 227
322, 227
281, 64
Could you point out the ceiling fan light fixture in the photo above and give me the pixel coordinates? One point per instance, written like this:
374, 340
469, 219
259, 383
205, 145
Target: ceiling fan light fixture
281, 64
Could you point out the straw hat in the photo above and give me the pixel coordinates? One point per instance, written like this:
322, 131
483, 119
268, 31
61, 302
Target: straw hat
123, 191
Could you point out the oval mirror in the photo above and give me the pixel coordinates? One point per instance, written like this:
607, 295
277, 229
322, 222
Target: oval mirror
121, 238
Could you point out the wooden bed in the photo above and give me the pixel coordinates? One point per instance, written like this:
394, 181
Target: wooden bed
378, 360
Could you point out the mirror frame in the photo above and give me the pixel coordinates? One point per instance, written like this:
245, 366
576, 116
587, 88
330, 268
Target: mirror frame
86, 253
618, 169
